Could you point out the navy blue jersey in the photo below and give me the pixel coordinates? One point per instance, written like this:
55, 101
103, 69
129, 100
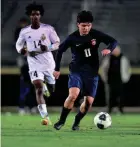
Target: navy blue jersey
84, 50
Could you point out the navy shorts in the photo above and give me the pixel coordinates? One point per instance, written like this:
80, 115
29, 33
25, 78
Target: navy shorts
87, 84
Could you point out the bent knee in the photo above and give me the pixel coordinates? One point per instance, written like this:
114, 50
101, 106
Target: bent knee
38, 87
38, 84
73, 97
89, 100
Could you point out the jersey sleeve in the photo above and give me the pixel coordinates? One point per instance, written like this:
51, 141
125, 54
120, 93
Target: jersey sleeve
53, 36
62, 48
54, 40
20, 42
108, 40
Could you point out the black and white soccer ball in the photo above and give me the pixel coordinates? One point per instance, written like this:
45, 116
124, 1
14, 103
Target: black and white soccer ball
102, 120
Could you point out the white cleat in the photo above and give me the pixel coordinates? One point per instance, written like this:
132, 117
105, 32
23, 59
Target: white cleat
45, 90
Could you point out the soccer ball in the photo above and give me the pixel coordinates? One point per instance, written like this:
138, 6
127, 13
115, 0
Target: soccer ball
102, 120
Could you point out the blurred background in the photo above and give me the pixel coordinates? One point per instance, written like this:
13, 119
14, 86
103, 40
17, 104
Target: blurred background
118, 18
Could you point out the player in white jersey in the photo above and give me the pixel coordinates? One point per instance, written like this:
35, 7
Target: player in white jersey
40, 40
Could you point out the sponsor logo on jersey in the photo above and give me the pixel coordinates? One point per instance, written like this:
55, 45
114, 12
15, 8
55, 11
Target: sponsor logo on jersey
43, 37
93, 41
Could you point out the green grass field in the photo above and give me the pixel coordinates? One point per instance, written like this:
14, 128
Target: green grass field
26, 131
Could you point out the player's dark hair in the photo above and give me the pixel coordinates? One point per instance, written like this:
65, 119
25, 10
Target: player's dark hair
34, 7
85, 16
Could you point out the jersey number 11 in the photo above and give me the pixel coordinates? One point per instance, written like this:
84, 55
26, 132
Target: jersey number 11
87, 52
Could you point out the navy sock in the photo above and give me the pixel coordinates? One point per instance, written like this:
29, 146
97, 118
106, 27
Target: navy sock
64, 114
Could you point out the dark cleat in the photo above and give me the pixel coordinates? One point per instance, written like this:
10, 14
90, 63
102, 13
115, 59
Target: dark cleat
58, 125
75, 127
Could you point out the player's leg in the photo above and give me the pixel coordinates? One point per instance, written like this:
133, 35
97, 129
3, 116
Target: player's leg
85, 106
49, 83
90, 89
74, 85
37, 79
68, 105
46, 91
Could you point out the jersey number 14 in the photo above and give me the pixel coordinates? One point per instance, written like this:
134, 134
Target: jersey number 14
87, 52
37, 44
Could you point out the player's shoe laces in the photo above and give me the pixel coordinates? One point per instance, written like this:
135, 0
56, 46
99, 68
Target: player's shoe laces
58, 125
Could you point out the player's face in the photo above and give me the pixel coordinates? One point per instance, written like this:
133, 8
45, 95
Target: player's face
35, 17
84, 28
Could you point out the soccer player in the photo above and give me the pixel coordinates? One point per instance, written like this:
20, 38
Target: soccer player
83, 76
40, 40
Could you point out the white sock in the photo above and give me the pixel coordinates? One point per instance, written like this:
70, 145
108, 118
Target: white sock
43, 110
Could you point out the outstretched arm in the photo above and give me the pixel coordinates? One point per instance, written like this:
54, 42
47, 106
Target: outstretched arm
109, 41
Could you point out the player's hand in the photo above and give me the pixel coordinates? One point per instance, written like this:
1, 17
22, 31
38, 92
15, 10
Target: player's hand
105, 52
43, 48
56, 74
24, 51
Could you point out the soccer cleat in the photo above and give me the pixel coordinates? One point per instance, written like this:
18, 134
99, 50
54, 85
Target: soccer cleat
45, 90
58, 125
46, 93
46, 121
75, 127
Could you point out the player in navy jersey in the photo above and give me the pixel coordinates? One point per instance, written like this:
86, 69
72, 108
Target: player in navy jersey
83, 77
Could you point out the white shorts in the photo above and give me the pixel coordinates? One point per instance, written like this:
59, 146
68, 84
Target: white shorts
46, 76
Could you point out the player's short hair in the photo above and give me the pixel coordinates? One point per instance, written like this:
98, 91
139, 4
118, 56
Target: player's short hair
34, 7
85, 16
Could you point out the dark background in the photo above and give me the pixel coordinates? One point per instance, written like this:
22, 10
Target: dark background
10, 92
118, 18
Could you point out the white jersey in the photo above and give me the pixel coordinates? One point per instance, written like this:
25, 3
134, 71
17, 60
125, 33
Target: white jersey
44, 35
